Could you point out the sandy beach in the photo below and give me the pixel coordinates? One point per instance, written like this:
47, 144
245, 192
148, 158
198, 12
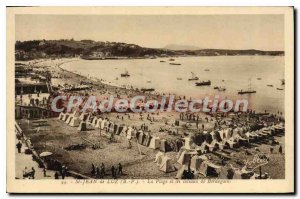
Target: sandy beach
137, 160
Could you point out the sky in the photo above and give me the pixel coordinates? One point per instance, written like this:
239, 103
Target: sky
262, 32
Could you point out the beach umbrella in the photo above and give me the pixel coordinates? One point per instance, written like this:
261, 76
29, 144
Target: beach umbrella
45, 154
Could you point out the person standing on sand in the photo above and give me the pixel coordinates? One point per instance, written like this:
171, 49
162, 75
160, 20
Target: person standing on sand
102, 168
19, 146
56, 175
280, 149
93, 170
32, 172
113, 174
120, 169
25, 172
45, 172
98, 173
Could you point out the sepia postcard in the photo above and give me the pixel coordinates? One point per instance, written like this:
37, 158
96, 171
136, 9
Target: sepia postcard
150, 100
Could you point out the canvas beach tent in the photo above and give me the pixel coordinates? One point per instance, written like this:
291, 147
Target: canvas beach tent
98, 123
116, 128
158, 158
250, 137
209, 147
110, 127
181, 171
241, 141
200, 149
94, 121
231, 143
82, 126
184, 157
196, 161
207, 137
154, 143
267, 131
129, 133
61, 115
167, 165
124, 130
141, 137
82, 116
226, 173
120, 129
75, 121
69, 119
102, 124
106, 123
163, 145
65, 116
147, 139
216, 136
187, 142
208, 168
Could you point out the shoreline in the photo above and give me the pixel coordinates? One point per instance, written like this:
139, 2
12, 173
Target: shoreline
134, 163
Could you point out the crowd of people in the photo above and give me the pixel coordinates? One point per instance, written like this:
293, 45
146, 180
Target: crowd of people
98, 173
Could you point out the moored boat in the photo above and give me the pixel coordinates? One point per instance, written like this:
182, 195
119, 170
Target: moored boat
248, 91
194, 77
203, 83
125, 74
241, 92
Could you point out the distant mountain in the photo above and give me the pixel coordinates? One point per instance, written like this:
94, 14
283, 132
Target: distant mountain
181, 47
89, 49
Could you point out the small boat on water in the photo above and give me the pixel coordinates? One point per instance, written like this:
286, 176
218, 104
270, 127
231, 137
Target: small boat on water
174, 64
179, 78
125, 74
206, 70
203, 83
241, 92
216, 87
248, 91
162, 61
147, 89
194, 77
281, 89
171, 59
270, 85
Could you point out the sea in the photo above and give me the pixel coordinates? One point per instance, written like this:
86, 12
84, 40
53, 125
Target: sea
230, 72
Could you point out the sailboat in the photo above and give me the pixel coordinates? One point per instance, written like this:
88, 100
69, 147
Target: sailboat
125, 74
194, 77
249, 91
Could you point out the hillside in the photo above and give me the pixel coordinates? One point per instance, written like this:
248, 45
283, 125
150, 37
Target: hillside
89, 49
181, 47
